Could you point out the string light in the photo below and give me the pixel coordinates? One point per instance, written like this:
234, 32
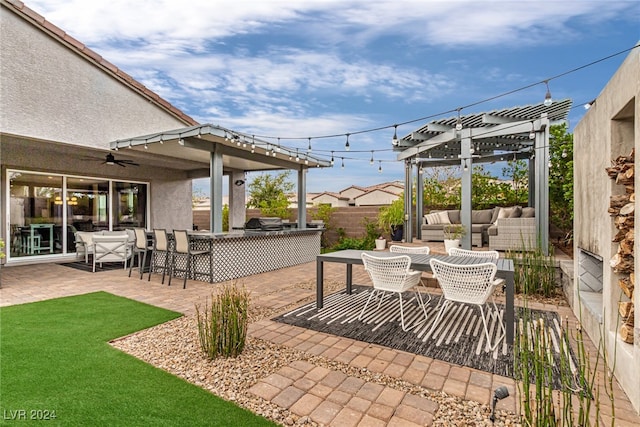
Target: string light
342, 167
394, 141
547, 96
371, 161
564, 153
309, 148
346, 145
181, 141
297, 156
532, 134
161, 139
379, 166
253, 143
332, 159
146, 147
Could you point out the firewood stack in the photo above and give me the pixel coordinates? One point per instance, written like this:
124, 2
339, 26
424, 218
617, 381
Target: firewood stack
621, 208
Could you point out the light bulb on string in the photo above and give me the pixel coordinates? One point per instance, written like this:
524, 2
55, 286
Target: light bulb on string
309, 147
297, 156
564, 153
253, 143
547, 96
459, 120
379, 166
346, 145
371, 161
342, 167
278, 148
394, 140
332, 159
306, 160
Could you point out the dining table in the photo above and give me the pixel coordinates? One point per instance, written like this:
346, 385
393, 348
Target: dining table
505, 270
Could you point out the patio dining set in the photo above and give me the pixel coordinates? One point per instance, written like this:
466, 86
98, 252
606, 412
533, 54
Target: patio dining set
464, 276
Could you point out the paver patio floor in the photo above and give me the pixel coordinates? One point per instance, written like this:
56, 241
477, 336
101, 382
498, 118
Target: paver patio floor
329, 397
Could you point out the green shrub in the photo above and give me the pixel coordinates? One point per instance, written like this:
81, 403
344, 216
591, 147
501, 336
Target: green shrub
222, 326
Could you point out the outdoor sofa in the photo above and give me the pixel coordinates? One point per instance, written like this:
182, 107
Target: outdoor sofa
502, 228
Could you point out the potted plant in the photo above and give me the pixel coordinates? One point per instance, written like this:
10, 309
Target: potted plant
452, 235
381, 243
391, 217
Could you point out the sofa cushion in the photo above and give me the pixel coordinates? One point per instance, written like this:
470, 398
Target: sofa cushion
516, 212
528, 212
444, 217
482, 216
477, 228
432, 218
432, 227
493, 230
501, 213
454, 216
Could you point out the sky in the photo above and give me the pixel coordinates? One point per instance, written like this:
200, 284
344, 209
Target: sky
303, 69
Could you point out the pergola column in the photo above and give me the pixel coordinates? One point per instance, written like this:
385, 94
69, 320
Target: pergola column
419, 201
408, 208
466, 164
542, 181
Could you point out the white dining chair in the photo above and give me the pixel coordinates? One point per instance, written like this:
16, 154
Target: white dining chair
392, 275
469, 284
491, 255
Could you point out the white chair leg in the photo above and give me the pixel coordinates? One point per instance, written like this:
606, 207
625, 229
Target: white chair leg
445, 304
373, 291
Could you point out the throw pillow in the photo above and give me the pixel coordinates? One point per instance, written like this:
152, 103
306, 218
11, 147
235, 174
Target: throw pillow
444, 217
528, 212
504, 213
433, 218
516, 212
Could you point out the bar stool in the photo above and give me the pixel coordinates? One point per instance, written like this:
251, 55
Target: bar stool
183, 247
160, 244
140, 248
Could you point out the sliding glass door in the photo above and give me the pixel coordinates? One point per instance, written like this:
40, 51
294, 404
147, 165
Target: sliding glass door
46, 210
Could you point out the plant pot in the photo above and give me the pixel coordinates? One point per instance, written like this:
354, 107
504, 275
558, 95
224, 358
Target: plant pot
448, 244
397, 231
381, 244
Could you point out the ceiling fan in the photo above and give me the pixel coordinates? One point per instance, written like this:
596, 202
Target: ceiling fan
111, 160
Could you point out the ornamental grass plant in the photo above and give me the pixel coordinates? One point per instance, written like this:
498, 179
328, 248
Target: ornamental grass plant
222, 324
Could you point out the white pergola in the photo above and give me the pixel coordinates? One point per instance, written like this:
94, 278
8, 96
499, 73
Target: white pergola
214, 151
513, 133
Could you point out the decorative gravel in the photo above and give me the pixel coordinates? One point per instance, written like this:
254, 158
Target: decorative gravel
174, 347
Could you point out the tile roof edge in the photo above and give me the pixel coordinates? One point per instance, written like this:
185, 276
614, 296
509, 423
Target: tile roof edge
29, 15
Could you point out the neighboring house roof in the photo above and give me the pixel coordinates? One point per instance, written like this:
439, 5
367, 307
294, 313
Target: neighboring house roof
381, 190
353, 187
81, 49
331, 194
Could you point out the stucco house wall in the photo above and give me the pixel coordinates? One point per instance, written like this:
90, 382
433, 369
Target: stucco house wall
610, 128
375, 197
62, 103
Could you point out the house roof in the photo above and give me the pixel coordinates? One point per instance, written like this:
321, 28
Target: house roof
332, 194
375, 190
29, 15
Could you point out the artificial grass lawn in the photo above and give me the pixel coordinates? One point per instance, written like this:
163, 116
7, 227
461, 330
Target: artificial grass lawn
55, 357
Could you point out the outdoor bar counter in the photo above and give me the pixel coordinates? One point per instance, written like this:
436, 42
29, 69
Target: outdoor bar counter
240, 253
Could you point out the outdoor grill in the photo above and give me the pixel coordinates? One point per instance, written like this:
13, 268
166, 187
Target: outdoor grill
264, 224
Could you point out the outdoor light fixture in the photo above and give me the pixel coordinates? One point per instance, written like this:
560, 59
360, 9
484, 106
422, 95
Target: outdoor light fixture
379, 166
394, 140
346, 145
146, 147
547, 97
239, 182
342, 167
332, 159
161, 139
371, 161
499, 394
181, 141
297, 156
309, 147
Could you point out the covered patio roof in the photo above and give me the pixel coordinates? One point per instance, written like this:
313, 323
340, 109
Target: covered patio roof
239, 151
214, 151
499, 135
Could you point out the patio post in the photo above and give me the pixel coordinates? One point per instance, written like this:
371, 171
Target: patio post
215, 174
237, 199
302, 198
466, 164
408, 205
419, 200
542, 181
